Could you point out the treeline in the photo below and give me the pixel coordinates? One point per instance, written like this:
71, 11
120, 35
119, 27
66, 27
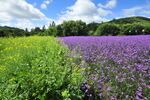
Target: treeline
9, 32
124, 29
80, 28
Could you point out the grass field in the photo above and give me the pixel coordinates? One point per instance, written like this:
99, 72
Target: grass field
75, 68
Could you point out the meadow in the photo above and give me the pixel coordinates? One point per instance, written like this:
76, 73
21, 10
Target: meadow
75, 68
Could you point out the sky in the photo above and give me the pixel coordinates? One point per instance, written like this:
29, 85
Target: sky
36, 13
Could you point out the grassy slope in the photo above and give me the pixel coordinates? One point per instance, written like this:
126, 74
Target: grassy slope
127, 20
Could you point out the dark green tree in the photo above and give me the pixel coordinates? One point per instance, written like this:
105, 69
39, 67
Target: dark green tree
74, 28
107, 29
91, 28
36, 31
43, 28
146, 29
59, 31
53, 24
27, 33
51, 31
132, 29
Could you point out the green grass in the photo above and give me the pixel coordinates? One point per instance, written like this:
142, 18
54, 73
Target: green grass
38, 68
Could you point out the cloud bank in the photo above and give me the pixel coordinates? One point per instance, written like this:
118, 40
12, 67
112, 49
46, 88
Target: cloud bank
87, 11
19, 13
18, 9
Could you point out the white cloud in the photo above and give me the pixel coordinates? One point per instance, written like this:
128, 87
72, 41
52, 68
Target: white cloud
43, 6
146, 12
143, 10
109, 4
18, 9
25, 23
131, 11
45, 3
19, 13
84, 10
19, 24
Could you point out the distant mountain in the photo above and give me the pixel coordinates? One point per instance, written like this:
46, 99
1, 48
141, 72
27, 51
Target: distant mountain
7, 27
130, 20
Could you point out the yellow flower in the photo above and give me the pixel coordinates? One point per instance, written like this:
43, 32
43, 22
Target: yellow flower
33, 94
12, 79
10, 57
65, 93
82, 69
2, 68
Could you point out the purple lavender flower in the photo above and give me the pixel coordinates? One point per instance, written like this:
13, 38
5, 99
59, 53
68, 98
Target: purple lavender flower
108, 88
87, 85
127, 96
100, 94
90, 95
121, 61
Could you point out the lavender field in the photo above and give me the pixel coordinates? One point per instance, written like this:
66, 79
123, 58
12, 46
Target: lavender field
117, 67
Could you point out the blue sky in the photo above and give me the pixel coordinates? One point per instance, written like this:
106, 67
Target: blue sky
32, 13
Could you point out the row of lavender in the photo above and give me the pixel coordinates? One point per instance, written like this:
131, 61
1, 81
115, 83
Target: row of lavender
116, 67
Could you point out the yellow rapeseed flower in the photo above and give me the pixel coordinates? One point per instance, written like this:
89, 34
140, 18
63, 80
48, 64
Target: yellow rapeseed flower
65, 93
2, 68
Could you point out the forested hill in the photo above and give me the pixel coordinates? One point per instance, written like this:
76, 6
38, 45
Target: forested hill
129, 20
7, 27
11, 31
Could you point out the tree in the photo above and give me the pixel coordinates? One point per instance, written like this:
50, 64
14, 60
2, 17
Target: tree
43, 28
53, 24
74, 28
107, 29
51, 31
36, 31
59, 31
2, 33
146, 30
91, 28
9, 32
132, 29
27, 33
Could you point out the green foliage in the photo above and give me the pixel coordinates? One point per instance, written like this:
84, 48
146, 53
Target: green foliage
132, 29
123, 26
38, 68
146, 29
74, 28
51, 31
60, 31
91, 28
8, 32
131, 20
107, 29
36, 31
